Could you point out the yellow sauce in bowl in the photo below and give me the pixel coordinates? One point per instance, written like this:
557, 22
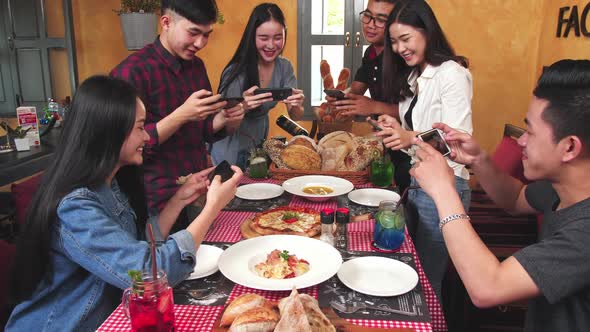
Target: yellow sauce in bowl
318, 190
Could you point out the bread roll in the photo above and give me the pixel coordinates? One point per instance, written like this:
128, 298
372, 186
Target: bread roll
301, 157
242, 304
261, 319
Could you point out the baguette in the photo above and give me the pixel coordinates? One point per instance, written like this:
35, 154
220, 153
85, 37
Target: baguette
343, 79
327, 79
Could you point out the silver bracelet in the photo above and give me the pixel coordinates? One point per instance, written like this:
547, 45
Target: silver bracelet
452, 217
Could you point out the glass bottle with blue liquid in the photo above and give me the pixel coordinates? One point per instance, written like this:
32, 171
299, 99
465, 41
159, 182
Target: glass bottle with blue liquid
390, 224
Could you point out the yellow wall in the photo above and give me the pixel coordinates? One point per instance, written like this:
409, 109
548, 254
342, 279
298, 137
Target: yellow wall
552, 48
506, 41
500, 39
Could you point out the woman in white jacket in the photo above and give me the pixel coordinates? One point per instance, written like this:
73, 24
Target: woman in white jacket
431, 84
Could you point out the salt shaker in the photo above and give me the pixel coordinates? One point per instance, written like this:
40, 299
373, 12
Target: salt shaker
342, 217
327, 219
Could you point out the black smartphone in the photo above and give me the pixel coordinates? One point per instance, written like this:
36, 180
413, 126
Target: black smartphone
224, 170
334, 93
435, 138
278, 94
231, 101
374, 124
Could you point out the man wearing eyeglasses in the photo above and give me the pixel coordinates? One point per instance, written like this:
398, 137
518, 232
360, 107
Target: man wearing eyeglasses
368, 76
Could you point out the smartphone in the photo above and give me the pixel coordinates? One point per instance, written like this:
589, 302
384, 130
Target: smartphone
231, 101
334, 93
435, 138
278, 94
224, 170
374, 124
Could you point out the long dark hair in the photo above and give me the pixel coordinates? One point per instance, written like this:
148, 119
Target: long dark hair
419, 15
245, 60
101, 118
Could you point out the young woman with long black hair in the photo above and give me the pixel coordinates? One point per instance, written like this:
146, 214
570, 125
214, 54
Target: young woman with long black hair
86, 224
257, 63
431, 84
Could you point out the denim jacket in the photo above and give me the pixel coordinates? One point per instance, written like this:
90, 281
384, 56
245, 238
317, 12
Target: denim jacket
94, 243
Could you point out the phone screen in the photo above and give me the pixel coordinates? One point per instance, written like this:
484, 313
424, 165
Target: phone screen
436, 140
224, 170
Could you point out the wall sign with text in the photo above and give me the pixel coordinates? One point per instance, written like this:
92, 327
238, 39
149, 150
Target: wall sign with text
575, 18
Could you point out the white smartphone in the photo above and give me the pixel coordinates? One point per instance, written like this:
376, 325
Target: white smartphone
435, 138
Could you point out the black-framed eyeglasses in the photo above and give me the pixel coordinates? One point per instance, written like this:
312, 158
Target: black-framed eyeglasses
366, 17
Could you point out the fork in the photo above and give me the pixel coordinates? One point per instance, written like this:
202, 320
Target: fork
349, 308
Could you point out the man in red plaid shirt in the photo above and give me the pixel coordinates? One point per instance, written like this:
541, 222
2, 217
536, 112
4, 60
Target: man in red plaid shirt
182, 113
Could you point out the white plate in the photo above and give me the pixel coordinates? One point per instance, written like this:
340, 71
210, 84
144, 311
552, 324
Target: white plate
372, 196
207, 259
378, 276
259, 191
237, 262
340, 186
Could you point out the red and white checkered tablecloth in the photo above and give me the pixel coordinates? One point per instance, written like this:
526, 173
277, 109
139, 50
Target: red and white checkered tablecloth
226, 228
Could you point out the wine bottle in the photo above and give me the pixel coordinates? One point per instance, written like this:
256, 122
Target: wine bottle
291, 126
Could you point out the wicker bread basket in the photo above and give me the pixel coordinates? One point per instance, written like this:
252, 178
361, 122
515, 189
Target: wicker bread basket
282, 174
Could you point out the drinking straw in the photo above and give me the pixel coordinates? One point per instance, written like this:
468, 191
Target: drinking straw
153, 251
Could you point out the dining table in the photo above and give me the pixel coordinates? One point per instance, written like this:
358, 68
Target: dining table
194, 314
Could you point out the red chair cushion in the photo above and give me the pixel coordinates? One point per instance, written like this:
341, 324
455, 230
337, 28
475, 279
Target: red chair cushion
23, 194
508, 157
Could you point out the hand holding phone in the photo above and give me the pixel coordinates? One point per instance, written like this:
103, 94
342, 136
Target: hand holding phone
224, 170
231, 101
278, 94
435, 138
339, 95
374, 124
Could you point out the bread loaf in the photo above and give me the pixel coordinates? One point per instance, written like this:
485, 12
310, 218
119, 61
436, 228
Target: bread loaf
293, 317
303, 141
301, 157
261, 319
242, 304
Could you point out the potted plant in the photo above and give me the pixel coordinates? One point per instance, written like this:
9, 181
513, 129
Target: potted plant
139, 22
21, 140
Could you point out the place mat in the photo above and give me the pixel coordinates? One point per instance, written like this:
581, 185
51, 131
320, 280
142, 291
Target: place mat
335, 290
239, 204
219, 296
222, 285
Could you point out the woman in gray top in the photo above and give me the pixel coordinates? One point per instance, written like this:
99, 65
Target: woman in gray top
257, 63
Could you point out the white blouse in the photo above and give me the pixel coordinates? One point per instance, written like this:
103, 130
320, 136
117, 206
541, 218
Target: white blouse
444, 95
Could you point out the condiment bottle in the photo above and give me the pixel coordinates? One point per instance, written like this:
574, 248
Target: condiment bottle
327, 219
342, 217
291, 126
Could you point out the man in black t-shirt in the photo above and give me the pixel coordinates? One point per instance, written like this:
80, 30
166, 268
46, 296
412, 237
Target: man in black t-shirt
554, 274
368, 76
